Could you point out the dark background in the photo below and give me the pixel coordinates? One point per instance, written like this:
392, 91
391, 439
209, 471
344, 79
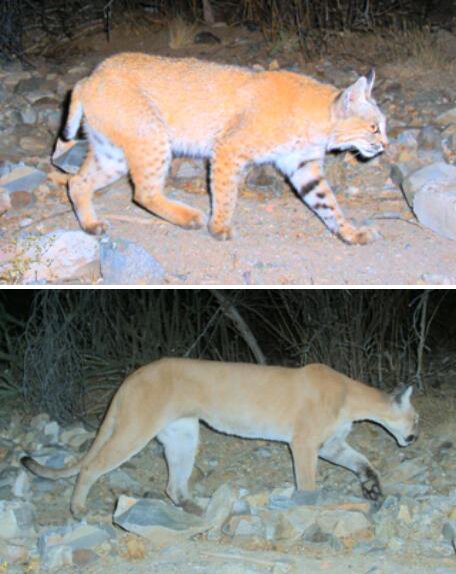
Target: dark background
65, 351
21, 21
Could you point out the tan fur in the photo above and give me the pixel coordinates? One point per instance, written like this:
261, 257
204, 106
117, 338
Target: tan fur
311, 408
139, 110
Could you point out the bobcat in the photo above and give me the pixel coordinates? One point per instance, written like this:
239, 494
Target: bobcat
139, 110
312, 408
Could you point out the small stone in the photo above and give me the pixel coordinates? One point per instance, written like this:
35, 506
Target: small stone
243, 526
21, 487
21, 199
429, 138
401, 170
189, 169
51, 431
36, 89
34, 144
343, 524
206, 38
124, 262
61, 256
38, 422
447, 118
22, 179
28, 115
156, 520
68, 156
16, 519
119, 479
432, 175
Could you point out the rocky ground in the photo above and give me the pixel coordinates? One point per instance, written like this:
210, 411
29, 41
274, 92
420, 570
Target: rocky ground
278, 240
253, 522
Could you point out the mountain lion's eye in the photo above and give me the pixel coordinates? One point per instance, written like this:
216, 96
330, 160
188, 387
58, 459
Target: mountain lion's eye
374, 129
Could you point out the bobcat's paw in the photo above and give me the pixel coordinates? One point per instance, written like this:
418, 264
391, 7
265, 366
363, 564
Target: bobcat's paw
195, 221
96, 228
221, 232
359, 235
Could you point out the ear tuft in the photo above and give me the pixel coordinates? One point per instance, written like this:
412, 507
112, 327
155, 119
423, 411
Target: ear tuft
370, 79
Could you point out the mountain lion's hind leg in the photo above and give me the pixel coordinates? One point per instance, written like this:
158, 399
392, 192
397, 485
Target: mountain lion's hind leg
313, 189
180, 441
340, 453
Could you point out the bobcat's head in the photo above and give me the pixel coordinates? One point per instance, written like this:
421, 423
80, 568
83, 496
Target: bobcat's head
359, 123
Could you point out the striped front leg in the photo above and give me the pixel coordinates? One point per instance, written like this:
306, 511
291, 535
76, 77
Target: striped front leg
314, 190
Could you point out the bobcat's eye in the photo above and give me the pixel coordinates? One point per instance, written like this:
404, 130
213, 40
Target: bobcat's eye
374, 128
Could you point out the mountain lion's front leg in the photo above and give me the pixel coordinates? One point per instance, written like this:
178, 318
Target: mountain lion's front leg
314, 190
342, 454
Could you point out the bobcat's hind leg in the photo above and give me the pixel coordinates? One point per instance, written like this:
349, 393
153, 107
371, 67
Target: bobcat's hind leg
180, 441
148, 151
313, 189
104, 164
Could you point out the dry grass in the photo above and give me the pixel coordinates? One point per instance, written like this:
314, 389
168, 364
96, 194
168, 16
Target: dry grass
181, 33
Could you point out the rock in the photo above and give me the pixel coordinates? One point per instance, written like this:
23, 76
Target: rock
22, 179
68, 156
119, 479
28, 115
408, 138
220, 506
429, 138
449, 532
447, 118
244, 526
21, 487
124, 262
35, 144
206, 38
12, 553
402, 169
156, 520
299, 521
38, 422
189, 169
51, 431
36, 89
436, 209
58, 545
16, 519
344, 524
75, 436
21, 199
61, 256
264, 178
428, 176
5, 200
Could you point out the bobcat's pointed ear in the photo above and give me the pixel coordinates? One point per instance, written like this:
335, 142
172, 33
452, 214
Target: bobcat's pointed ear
351, 96
370, 79
401, 396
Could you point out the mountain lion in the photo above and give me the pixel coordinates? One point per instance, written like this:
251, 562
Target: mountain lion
312, 408
139, 110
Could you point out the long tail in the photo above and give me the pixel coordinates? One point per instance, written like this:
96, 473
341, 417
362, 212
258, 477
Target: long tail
75, 112
47, 472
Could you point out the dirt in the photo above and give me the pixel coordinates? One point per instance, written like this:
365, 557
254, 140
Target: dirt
278, 240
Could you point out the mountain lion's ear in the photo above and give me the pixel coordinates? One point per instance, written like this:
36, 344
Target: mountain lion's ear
402, 394
351, 96
370, 79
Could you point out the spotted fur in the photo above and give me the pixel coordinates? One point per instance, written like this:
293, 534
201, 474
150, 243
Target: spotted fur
140, 110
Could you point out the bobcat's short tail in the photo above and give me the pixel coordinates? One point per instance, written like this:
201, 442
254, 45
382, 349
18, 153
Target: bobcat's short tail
47, 472
75, 113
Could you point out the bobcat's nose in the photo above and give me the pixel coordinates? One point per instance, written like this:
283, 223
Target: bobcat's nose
411, 438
